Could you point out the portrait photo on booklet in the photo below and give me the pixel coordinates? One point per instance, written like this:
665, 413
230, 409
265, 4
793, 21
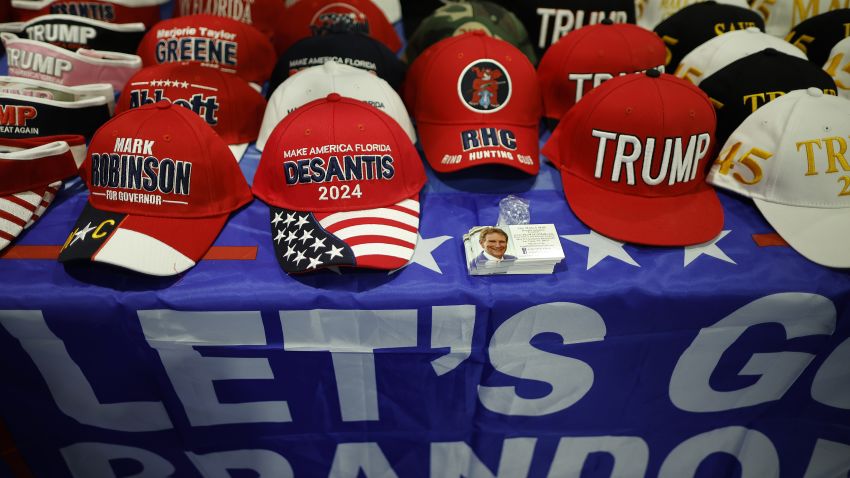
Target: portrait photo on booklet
513, 249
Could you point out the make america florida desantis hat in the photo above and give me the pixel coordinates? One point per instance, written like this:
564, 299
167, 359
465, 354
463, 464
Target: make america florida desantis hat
476, 101
342, 182
162, 184
789, 157
633, 155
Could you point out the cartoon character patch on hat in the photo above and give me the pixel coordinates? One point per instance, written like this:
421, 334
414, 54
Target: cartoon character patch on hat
484, 86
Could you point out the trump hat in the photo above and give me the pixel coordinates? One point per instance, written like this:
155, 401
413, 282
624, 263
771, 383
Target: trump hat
342, 182
161, 185
633, 155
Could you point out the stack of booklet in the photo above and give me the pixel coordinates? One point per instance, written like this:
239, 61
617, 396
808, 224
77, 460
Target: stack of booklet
514, 249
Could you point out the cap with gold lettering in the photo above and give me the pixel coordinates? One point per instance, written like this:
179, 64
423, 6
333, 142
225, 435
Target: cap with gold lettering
789, 157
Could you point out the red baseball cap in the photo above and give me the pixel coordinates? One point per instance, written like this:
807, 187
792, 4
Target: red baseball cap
634, 153
342, 182
162, 184
114, 11
585, 58
233, 46
264, 15
317, 17
477, 102
226, 102
31, 173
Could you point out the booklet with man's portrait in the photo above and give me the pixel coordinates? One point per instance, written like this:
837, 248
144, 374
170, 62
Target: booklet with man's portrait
514, 249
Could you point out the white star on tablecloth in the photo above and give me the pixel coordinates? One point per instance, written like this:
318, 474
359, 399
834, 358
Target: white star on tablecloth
599, 247
423, 253
709, 248
82, 233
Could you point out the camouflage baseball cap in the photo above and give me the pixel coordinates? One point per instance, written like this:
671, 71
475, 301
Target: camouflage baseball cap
457, 18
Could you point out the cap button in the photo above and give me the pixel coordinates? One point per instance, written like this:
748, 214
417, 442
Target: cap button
607, 21
753, 30
478, 33
334, 97
812, 91
770, 52
330, 65
163, 105
653, 73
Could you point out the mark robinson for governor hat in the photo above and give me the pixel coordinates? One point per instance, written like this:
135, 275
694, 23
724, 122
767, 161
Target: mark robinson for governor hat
162, 184
342, 182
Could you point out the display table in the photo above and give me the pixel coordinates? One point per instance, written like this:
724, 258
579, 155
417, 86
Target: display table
726, 359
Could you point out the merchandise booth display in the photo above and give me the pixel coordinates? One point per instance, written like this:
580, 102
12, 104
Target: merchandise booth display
319, 318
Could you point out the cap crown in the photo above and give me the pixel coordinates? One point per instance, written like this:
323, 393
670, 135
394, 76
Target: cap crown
162, 160
791, 151
619, 138
338, 154
476, 79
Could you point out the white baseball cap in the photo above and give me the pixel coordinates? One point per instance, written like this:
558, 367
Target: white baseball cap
722, 50
838, 67
788, 157
331, 77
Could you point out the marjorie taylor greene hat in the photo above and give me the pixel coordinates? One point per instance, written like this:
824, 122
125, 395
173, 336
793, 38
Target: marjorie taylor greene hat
790, 158
162, 184
633, 155
342, 182
31, 173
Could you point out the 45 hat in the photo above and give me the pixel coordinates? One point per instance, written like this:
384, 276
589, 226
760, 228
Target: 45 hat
225, 102
162, 184
477, 102
30, 176
633, 155
789, 157
72, 32
838, 67
585, 58
817, 35
342, 183
233, 46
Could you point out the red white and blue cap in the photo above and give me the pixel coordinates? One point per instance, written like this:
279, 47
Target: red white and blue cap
342, 182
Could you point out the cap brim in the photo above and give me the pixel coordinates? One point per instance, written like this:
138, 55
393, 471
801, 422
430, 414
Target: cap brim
156, 246
238, 150
50, 193
818, 234
380, 238
444, 149
16, 210
682, 220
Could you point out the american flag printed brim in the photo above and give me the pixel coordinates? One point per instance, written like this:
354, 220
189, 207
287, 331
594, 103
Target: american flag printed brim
379, 238
16, 210
50, 193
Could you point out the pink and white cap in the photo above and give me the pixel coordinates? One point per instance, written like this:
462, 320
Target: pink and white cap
789, 157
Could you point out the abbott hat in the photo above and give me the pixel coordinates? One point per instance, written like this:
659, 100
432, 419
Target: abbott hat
695, 24
817, 35
226, 102
233, 46
318, 17
838, 67
352, 49
72, 32
342, 183
162, 184
30, 176
478, 102
590, 55
788, 157
633, 155
741, 87
718, 52
462, 17
320, 81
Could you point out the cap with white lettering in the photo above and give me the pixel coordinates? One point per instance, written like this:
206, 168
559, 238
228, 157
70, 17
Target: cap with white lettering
233, 46
718, 52
162, 184
633, 155
112, 11
226, 102
72, 32
591, 55
789, 158
319, 81
477, 101
342, 182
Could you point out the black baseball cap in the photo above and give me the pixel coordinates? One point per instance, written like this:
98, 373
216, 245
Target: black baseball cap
695, 24
818, 34
741, 87
353, 49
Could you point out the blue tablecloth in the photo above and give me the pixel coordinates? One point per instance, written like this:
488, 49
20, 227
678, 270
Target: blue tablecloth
726, 359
